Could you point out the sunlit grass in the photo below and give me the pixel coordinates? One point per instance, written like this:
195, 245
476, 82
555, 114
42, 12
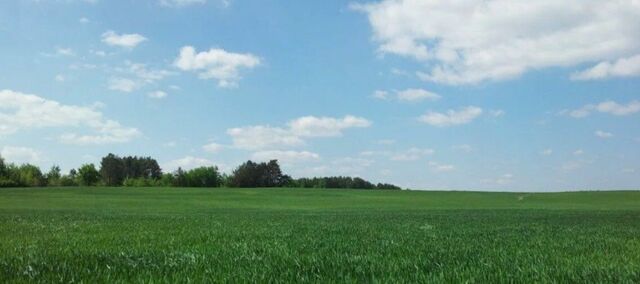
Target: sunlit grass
249, 235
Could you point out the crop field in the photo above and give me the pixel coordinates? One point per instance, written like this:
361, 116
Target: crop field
299, 235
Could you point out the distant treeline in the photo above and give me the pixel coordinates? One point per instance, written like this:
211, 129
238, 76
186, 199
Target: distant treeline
145, 171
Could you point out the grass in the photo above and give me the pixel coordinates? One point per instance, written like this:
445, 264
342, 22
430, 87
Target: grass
292, 235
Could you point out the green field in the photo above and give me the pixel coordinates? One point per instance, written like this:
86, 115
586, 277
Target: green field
291, 235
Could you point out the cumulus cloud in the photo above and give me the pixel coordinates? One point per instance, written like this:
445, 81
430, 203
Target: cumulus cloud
262, 137
623, 67
157, 95
437, 167
180, 3
212, 148
546, 152
286, 157
20, 155
65, 52
217, 64
20, 111
408, 95
451, 117
123, 85
504, 179
609, 107
412, 154
135, 76
311, 126
381, 95
268, 137
122, 40
603, 134
472, 41
187, 163
462, 148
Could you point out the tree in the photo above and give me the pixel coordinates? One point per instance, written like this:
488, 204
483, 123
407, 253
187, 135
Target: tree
53, 176
3, 168
112, 170
246, 175
252, 174
204, 177
180, 178
88, 175
30, 175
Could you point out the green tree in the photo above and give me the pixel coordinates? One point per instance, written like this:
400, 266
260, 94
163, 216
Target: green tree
53, 176
112, 170
3, 168
88, 175
30, 175
204, 177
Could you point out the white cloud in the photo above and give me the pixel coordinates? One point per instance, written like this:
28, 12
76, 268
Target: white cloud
84, 20
451, 117
463, 148
157, 95
65, 52
412, 154
20, 111
60, 78
386, 141
217, 64
349, 166
311, 126
408, 95
603, 134
546, 152
20, 155
123, 85
139, 76
573, 165
505, 179
381, 95
416, 95
609, 107
145, 74
263, 137
623, 67
212, 148
496, 112
181, 3
187, 163
268, 137
437, 167
578, 152
122, 40
286, 157
477, 40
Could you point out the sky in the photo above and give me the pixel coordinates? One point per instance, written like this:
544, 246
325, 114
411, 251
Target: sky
490, 95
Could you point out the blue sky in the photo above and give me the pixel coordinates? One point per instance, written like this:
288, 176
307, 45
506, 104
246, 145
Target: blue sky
484, 95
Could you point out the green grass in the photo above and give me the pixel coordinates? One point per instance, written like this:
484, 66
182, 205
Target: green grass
291, 235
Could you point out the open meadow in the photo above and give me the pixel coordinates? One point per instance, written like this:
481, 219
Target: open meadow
291, 235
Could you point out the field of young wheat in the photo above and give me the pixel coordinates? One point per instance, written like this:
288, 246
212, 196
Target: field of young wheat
293, 235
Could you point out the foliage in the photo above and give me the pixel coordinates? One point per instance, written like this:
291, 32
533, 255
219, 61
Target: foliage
252, 174
111, 235
114, 170
88, 175
53, 176
339, 182
133, 171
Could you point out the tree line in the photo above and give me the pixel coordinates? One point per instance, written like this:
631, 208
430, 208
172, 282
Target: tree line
134, 171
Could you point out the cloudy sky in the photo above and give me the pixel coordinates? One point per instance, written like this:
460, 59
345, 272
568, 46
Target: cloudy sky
473, 95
